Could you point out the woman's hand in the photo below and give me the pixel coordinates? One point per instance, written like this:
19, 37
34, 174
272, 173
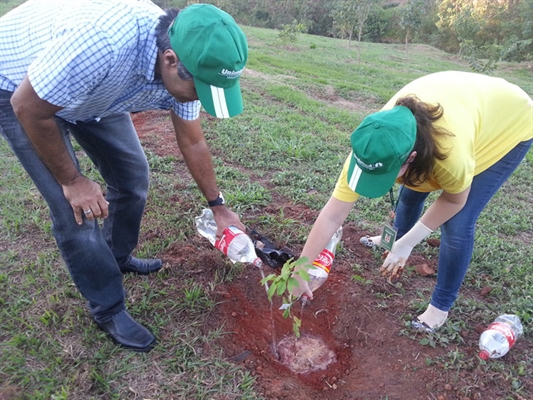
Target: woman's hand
303, 286
395, 262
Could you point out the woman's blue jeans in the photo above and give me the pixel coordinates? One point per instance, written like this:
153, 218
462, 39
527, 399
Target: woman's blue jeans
457, 234
92, 253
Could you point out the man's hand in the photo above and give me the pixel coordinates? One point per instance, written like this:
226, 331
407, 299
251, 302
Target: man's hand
37, 116
86, 199
224, 217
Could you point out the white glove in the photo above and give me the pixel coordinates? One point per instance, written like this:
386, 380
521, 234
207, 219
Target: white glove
395, 262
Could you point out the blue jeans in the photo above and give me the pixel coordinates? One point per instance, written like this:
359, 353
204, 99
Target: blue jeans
457, 234
92, 254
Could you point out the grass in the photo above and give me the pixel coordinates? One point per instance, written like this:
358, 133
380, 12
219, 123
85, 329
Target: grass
7, 5
302, 101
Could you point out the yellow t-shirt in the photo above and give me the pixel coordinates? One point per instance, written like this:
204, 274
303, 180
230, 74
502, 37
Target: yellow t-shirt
487, 116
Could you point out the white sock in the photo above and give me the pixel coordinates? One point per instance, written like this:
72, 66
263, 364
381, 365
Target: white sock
433, 317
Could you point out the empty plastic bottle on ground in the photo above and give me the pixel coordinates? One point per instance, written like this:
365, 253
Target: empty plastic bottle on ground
234, 243
322, 264
500, 336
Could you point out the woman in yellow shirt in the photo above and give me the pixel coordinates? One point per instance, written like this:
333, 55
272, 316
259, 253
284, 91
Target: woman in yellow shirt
457, 132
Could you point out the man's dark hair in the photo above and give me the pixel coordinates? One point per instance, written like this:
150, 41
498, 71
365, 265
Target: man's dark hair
163, 40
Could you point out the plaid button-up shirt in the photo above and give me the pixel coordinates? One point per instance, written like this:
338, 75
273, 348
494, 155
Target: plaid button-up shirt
94, 58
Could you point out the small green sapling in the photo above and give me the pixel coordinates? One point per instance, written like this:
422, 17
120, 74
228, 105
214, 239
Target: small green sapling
282, 285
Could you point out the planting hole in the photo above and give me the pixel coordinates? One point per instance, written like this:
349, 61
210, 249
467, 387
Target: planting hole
306, 354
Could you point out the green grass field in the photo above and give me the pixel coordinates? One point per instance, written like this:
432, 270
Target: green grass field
302, 100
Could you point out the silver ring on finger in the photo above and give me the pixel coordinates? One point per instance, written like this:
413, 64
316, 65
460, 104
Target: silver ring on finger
88, 212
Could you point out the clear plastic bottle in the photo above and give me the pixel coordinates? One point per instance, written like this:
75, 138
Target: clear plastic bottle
322, 264
234, 243
500, 336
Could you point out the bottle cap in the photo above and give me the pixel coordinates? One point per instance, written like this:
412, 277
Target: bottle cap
484, 355
305, 300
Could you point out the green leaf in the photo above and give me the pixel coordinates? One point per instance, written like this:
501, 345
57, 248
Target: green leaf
281, 288
301, 261
304, 275
286, 271
271, 291
268, 278
291, 284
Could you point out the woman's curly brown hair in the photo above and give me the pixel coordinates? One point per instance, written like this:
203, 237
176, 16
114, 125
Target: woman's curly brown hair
425, 145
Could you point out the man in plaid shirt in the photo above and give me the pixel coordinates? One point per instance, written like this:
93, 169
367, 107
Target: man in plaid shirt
79, 68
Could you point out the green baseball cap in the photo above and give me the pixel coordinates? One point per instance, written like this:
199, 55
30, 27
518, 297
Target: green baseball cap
380, 145
214, 50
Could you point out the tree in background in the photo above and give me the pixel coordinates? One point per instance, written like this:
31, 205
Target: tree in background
349, 15
487, 29
343, 22
320, 17
499, 29
517, 29
411, 19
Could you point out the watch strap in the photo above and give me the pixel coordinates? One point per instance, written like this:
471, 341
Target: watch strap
218, 201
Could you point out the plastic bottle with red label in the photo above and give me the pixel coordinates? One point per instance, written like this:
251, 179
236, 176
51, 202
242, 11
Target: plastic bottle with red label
234, 243
322, 264
500, 336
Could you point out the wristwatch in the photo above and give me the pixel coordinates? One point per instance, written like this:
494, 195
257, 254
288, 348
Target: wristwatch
218, 201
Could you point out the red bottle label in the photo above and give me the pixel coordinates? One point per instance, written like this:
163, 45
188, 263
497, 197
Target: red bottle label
505, 330
324, 260
223, 243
